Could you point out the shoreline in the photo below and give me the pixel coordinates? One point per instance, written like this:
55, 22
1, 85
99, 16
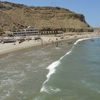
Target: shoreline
52, 67
31, 64
46, 40
34, 63
15, 48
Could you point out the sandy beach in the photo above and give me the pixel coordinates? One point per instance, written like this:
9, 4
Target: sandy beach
9, 47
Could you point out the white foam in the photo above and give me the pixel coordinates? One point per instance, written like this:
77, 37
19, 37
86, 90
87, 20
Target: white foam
57, 48
8, 94
52, 67
65, 55
54, 90
79, 40
52, 70
21, 92
50, 89
44, 89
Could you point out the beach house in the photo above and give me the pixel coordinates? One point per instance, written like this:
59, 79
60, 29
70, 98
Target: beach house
49, 31
29, 31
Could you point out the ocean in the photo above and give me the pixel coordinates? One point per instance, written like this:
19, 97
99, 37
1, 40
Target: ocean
75, 76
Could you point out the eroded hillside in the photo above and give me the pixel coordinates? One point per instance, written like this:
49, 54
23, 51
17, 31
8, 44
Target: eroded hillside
15, 16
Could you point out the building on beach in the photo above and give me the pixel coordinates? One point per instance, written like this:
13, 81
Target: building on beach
32, 31
49, 31
29, 31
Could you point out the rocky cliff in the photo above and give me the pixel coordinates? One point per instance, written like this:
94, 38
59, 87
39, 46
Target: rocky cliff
15, 16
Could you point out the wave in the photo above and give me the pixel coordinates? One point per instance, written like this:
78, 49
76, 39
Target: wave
52, 70
50, 89
52, 67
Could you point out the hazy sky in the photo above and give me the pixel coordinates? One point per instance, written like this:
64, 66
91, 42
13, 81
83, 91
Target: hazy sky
90, 8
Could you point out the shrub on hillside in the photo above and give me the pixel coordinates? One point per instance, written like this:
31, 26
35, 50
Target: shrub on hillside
1, 32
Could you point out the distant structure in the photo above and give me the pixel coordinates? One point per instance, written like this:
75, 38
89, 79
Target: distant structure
29, 31
49, 31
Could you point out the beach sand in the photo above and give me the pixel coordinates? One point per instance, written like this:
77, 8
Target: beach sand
9, 47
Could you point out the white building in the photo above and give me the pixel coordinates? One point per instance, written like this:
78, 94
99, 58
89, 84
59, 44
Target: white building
29, 31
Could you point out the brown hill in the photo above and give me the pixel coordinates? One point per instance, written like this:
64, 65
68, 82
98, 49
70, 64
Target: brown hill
15, 16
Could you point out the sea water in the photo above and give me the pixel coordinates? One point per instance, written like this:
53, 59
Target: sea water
22, 73
76, 75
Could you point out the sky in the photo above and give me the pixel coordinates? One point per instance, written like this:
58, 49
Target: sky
89, 8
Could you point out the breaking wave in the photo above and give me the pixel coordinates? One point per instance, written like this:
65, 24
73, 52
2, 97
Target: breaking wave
52, 67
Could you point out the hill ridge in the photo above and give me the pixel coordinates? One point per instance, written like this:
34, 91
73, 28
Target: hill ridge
14, 16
